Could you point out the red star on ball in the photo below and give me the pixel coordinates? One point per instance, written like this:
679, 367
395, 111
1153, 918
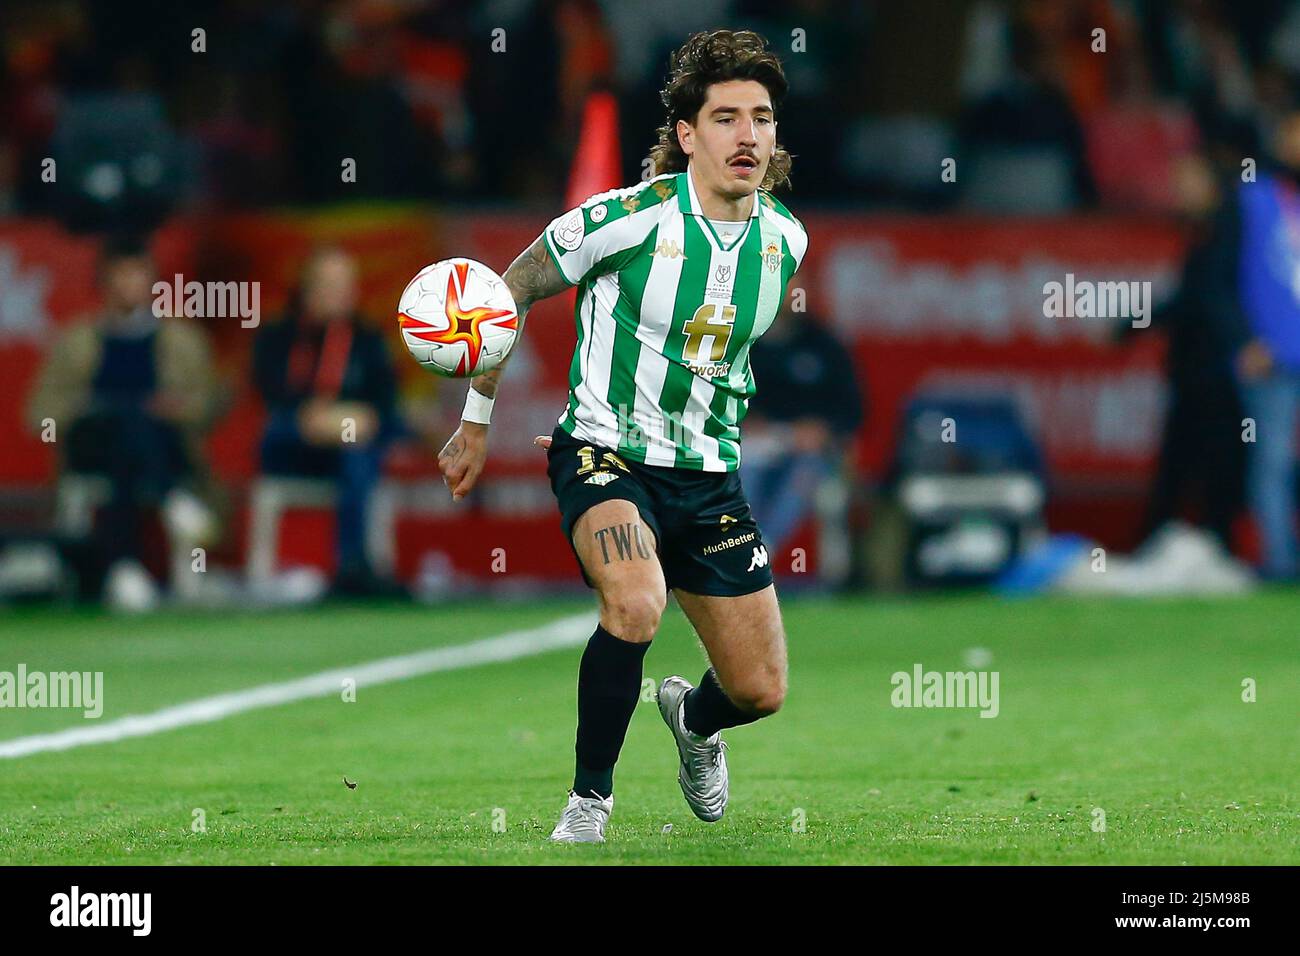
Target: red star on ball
463, 325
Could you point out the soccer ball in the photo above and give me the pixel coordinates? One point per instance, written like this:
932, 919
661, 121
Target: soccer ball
458, 318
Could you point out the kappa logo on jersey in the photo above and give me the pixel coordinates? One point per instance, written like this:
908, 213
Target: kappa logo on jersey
601, 478
726, 520
570, 230
759, 560
668, 248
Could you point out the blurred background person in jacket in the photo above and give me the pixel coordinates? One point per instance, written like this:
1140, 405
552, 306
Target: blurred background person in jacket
330, 391
806, 409
130, 396
1258, 238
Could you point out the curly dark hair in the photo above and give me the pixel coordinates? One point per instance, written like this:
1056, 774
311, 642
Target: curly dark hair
716, 57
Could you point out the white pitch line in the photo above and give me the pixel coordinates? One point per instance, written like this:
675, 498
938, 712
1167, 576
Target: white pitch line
566, 632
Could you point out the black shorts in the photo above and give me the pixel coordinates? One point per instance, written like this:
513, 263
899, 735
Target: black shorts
708, 542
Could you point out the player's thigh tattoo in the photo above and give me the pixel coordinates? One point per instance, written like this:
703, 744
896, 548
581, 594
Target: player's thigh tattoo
622, 541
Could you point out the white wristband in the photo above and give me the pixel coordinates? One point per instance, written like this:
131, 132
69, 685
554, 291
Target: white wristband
478, 407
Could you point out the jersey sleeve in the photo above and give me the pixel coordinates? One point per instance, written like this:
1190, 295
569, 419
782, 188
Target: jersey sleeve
587, 240
798, 243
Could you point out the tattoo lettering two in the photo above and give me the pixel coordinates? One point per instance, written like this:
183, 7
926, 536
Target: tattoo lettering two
625, 540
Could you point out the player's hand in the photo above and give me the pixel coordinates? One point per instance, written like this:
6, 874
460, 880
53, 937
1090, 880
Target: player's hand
1254, 361
365, 421
462, 458
543, 441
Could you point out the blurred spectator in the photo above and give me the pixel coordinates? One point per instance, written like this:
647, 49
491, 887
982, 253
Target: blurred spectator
1023, 137
330, 390
346, 101
130, 396
1201, 451
806, 409
1259, 234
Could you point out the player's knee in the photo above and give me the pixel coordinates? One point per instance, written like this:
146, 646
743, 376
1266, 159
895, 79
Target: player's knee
761, 697
767, 702
633, 614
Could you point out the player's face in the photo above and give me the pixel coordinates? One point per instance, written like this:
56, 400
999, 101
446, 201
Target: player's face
330, 287
733, 138
128, 283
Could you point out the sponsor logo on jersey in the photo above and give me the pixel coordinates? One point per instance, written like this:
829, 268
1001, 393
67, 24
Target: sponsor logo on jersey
734, 542
710, 369
601, 478
759, 560
570, 231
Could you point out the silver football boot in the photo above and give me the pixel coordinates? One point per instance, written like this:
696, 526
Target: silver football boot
703, 770
583, 820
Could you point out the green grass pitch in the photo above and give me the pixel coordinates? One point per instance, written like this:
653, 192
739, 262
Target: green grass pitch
1133, 709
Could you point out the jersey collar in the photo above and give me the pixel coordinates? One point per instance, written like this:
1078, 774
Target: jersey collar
689, 202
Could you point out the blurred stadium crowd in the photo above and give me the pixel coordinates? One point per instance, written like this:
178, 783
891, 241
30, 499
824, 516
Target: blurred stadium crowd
883, 93
1061, 112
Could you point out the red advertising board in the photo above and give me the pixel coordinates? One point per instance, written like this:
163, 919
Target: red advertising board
922, 302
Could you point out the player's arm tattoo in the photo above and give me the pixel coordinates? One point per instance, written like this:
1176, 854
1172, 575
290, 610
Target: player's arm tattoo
622, 538
532, 276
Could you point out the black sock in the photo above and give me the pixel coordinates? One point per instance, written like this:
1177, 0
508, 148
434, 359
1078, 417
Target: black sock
609, 684
709, 709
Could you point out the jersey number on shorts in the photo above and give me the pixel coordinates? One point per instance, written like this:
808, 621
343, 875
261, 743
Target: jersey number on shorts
587, 455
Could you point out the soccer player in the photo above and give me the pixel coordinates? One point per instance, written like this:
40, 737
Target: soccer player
676, 278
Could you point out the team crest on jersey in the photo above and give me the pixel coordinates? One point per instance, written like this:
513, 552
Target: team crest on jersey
772, 256
598, 213
570, 231
668, 248
601, 478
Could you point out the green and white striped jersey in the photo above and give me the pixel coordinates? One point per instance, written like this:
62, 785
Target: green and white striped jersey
666, 314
